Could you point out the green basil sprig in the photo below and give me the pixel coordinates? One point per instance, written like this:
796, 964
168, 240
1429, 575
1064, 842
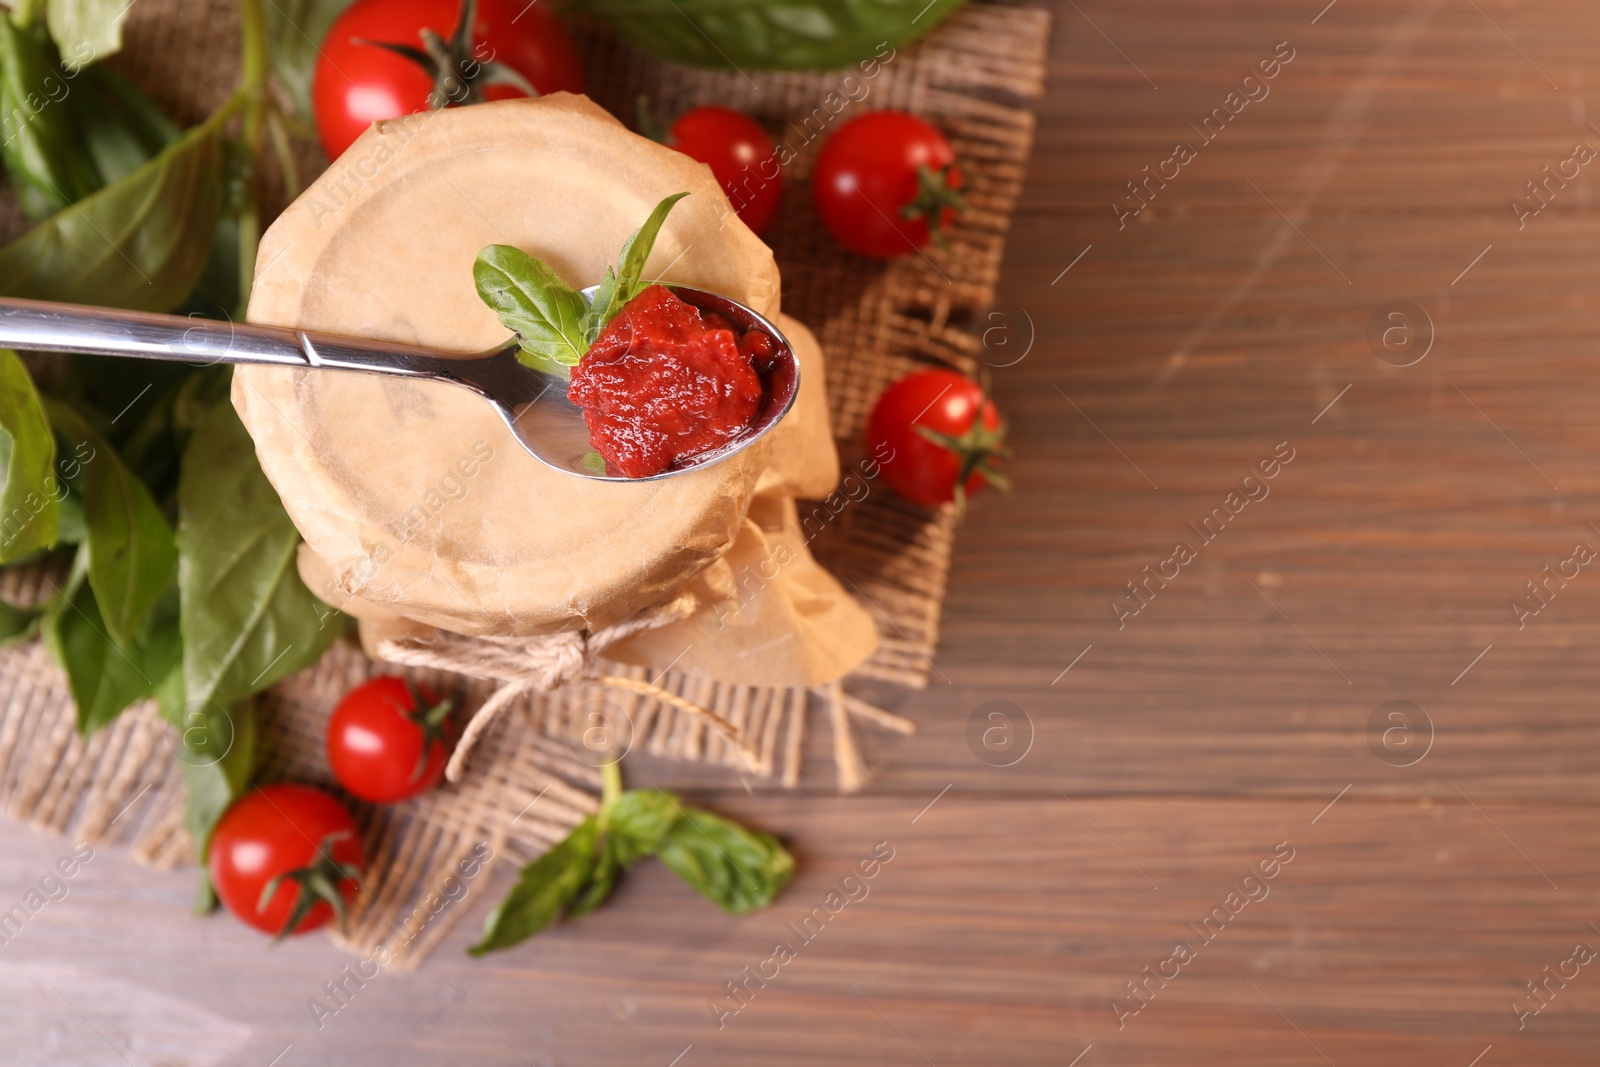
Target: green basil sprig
738, 869
554, 324
144, 216
769, 34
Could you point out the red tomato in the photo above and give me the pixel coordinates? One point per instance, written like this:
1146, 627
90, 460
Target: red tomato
886, 183
358, 82
387, 740
741, 157
927, 433
295, 836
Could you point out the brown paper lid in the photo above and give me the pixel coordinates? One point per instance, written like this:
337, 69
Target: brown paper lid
803, 461
414, 493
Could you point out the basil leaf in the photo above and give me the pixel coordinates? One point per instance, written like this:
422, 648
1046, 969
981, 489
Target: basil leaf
200, 392
621, 287
70, 526
17, 624
48, 163
295, 31
769, 34
738, 869
139, 243
630, 264
106, 677
87, 31
214, 786
151, 448
216, 295
121, 127
111, 394
129, 544
248, 620
634, 826
601, 882
30, 497
217, 748
544, 890
602, 308
638, 821
131, 548
534, 302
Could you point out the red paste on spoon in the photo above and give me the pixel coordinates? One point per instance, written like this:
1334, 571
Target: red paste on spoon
666, 381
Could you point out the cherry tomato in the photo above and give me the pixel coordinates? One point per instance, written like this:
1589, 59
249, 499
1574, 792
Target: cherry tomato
937, 438
885, 183
277, 854
362, 77
387, 740
741, 157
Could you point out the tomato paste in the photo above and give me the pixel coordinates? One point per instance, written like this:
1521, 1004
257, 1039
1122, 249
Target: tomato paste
666, 381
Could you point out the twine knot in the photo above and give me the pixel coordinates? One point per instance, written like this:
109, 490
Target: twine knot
548, 661
562, 659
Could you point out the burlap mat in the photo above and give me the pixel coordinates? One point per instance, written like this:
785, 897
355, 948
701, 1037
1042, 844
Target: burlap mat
526, 786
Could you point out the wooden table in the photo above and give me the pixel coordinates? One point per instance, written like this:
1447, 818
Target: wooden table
1441, 860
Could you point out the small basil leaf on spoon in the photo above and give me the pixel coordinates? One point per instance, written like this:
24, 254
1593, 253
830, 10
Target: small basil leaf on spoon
553, 323
626, 282
533, 301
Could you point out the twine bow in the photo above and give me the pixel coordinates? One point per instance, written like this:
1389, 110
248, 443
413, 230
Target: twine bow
524, 664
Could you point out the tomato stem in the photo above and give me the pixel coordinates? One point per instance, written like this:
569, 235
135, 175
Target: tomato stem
977, 449
319, 880
458, 75
430, 719
935, 194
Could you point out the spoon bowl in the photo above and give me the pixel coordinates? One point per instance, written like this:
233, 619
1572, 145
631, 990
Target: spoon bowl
532, 402
552, 427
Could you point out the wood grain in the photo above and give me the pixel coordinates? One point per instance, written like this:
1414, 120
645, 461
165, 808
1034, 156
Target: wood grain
1180, 750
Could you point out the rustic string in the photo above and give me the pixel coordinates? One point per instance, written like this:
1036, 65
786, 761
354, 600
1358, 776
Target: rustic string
548, 662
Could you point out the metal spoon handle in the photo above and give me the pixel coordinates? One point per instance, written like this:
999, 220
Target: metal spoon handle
44, 326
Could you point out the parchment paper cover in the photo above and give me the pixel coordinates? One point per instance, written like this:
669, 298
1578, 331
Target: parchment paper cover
418, 507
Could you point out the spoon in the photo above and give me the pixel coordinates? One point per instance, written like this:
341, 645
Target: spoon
532, 402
